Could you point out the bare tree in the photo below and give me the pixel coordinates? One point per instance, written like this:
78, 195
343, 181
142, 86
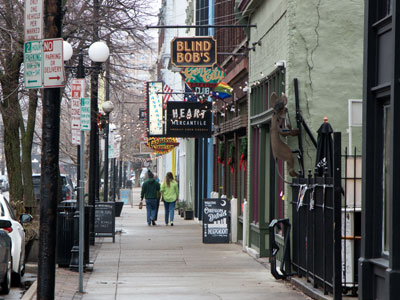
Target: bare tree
121, 22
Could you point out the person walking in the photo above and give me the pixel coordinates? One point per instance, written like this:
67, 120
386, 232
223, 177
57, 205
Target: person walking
149, 191
170, 193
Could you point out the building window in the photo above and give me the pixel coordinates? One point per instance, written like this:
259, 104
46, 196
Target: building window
261, 92
385, 8
386, 177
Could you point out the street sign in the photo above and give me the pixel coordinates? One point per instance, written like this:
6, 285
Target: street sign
33, 25
193, 51
77, 91
33, 64
53, 63
78, 88
76, 137
85, 114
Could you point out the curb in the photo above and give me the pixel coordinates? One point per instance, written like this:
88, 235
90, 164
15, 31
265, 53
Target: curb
30, 292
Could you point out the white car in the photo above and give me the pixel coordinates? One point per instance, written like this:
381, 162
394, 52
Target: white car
17, 235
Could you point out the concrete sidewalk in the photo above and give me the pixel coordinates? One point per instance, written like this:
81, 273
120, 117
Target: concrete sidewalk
164, 262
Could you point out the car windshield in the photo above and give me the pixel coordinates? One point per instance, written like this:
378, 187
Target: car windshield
36, 180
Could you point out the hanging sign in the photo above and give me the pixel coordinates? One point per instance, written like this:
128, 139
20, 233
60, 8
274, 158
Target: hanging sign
193, 51
53, 63
33, 65
155, 111
33, 21
189, 119
202, 81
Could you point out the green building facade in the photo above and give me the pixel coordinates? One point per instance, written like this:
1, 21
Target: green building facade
321, 44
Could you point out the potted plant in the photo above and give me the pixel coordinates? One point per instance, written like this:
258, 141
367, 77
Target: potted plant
189, 213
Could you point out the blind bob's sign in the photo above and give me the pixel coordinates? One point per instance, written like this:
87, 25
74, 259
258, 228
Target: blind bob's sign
194, 52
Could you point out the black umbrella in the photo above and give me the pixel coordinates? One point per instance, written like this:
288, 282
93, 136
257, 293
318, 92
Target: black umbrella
324, 149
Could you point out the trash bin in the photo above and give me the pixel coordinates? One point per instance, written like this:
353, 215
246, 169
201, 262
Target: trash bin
74, 263
65, 232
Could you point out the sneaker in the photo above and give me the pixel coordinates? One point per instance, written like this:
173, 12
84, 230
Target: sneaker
153, 222
172, 223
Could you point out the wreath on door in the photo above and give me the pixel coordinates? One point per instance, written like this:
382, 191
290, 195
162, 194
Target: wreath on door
221, 153
243, 154
231, 158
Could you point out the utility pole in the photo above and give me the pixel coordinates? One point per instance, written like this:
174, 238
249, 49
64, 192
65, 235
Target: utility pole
50, 191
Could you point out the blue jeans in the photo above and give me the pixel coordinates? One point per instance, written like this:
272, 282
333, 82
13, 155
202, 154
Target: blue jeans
151, 207
169, 211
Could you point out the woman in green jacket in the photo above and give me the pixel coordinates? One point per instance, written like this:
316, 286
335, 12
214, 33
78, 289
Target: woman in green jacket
170, 193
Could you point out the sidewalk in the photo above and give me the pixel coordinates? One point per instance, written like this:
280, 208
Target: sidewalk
164, 262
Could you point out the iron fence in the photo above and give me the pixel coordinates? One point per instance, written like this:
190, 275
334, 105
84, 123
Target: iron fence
317, 209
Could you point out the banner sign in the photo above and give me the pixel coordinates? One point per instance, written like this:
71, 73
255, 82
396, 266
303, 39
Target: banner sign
193, 51
215, 220
189, 119
155, 112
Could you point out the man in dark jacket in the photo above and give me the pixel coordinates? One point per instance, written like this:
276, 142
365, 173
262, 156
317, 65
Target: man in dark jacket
150, 189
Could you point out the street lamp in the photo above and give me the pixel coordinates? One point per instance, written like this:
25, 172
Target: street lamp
98, 53
108, 107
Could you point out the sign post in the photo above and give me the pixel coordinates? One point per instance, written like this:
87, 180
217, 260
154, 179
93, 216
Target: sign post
84, 126
33, 62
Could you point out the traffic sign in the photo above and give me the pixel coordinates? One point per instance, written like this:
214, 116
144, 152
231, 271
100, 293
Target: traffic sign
53, 63
85, 114
76, 137
33, 29
33, 64
77, 90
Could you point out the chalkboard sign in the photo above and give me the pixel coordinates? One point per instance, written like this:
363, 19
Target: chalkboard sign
104, 221
215, 221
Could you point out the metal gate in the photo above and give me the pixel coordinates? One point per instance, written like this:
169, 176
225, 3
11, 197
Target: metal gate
316, 226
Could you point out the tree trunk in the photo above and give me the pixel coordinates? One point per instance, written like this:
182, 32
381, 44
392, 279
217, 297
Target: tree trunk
27, 140
10, 111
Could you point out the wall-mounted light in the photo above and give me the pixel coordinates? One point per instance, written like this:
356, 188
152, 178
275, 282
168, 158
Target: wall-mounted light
280, 64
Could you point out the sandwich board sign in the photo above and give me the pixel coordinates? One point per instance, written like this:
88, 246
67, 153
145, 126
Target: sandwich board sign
53, 63
33, 64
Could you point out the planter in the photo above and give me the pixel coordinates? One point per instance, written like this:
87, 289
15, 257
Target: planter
118, 208
182, 212
189, 214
